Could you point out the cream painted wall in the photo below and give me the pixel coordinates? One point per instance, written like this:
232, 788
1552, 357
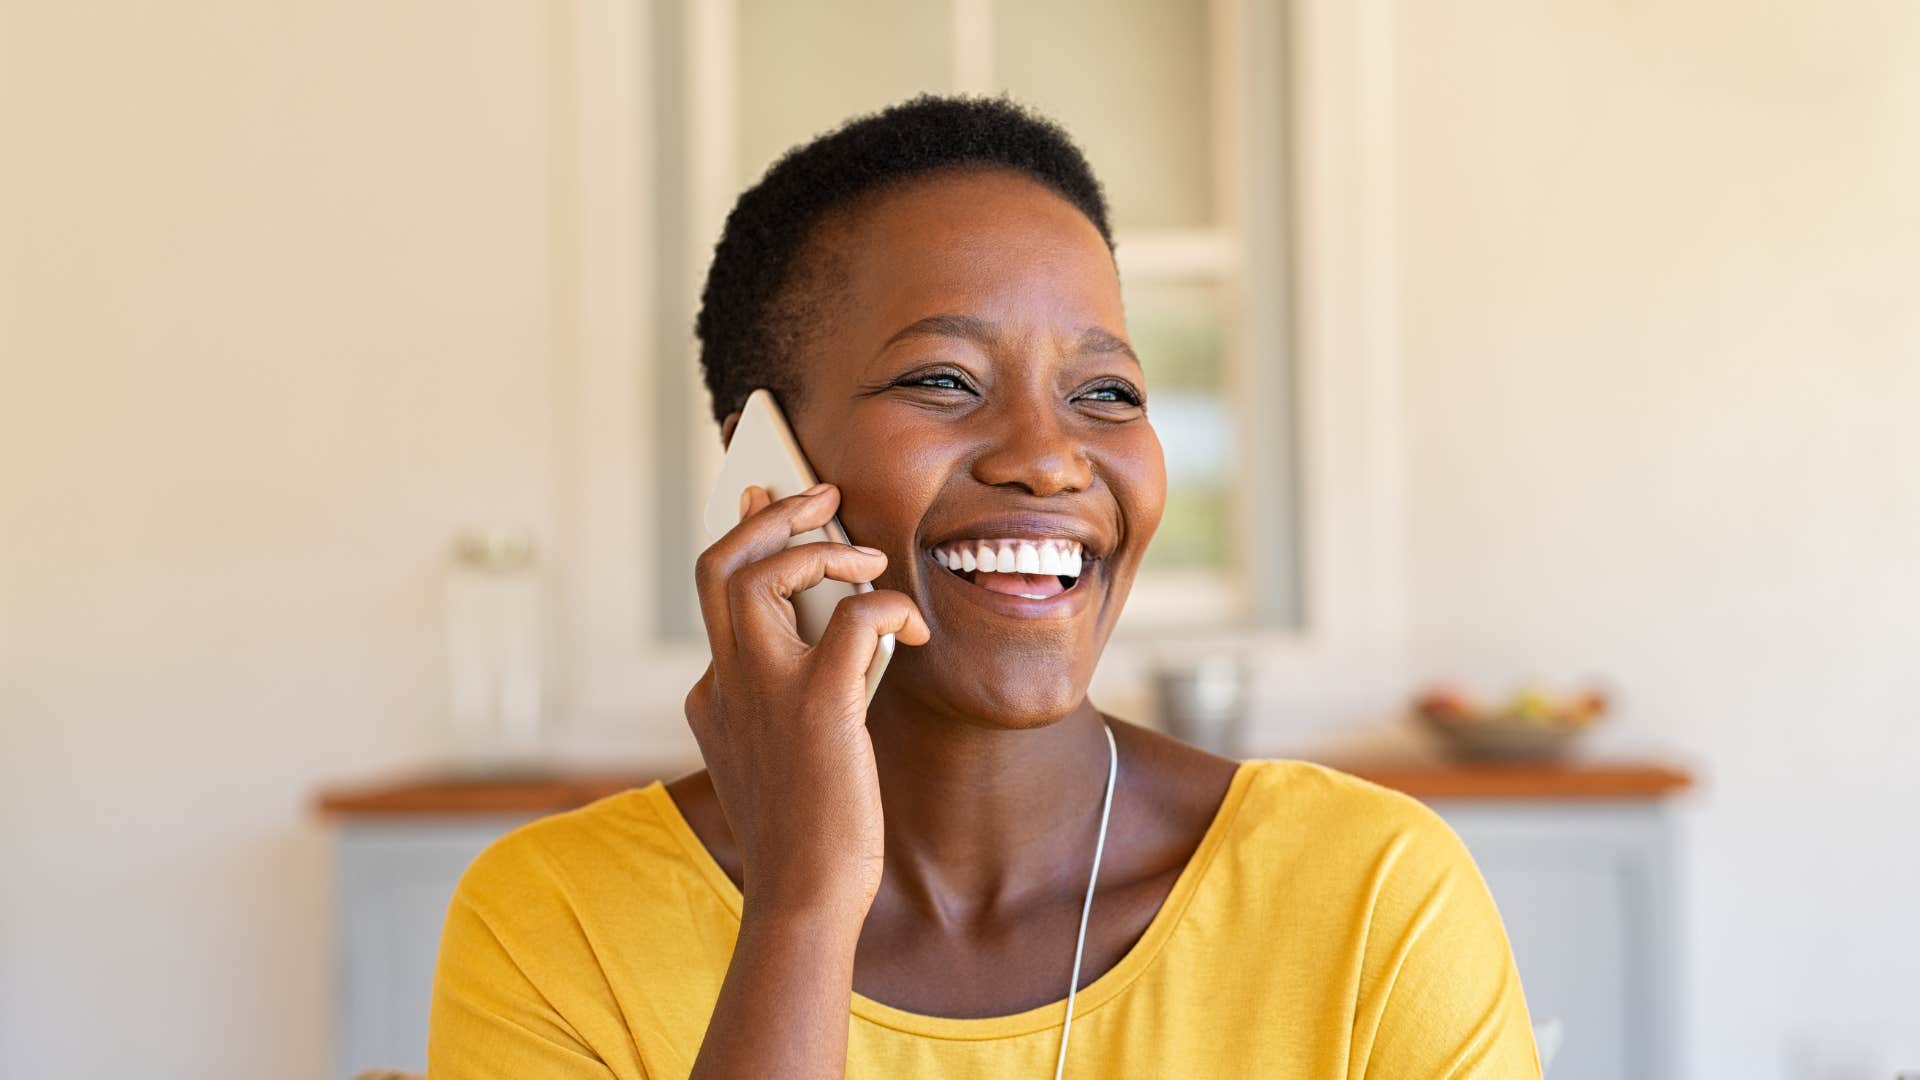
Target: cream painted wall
275, 326
1662, 364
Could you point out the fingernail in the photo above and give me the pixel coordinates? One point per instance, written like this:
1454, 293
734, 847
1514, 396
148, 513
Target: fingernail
746, 499
869, 551
814, 490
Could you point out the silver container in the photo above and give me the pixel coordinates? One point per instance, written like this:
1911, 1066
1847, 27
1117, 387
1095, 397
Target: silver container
1204, 703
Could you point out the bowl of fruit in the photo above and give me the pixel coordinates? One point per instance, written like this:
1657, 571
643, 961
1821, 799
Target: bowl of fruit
1531, 725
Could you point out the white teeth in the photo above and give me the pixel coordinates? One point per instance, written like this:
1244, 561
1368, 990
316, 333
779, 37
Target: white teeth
1056, 557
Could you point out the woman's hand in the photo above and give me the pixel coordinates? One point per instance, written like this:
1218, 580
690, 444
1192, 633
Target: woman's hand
782, 725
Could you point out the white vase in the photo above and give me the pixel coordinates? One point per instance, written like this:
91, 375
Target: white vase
495, 650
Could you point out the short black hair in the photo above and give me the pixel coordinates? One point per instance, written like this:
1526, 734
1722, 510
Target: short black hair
752, 319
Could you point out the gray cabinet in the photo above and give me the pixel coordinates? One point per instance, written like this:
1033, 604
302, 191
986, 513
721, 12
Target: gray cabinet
1584, 889
395, 876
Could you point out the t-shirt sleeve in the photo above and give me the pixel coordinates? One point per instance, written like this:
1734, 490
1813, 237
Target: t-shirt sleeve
1440, 996
490, 1019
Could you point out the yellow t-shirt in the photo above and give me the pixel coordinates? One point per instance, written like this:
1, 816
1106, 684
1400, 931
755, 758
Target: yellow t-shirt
1325, 928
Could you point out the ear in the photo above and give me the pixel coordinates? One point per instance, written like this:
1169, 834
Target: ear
726, 428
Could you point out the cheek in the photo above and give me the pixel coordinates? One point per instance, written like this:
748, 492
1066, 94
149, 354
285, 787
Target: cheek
1137, 469
887, 481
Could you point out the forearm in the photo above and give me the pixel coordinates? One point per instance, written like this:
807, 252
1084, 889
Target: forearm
782, 1010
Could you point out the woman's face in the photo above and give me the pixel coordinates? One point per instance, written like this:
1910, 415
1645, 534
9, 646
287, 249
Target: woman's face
967, 385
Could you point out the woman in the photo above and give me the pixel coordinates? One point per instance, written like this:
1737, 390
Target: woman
898, 889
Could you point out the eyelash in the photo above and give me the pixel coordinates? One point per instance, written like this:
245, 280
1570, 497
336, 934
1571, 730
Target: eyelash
924, 378
1127, 394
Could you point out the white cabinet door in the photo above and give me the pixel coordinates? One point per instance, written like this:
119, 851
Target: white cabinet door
1586, 896
395, 879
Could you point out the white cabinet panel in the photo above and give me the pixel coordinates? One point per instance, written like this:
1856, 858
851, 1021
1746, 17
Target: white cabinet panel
1584, 890
395, 879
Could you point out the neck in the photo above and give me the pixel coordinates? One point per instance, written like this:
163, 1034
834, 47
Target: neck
979, 819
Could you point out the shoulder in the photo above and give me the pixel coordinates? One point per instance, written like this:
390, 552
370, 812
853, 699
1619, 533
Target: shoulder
1357, 862
1325, 795
552, 924
1330, 828
618, 845
1388, 884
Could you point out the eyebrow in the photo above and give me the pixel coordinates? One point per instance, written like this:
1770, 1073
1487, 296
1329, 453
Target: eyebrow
980, 331
1096, 340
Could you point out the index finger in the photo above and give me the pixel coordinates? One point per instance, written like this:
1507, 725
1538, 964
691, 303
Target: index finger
765, 531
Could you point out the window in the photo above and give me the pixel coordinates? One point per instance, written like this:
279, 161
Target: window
1257, 255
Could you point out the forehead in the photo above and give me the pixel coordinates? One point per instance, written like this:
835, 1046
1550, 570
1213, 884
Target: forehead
993, 244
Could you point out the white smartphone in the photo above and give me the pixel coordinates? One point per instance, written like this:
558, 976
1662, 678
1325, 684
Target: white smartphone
763, 452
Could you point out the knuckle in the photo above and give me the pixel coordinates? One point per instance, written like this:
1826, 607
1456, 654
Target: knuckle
854, 606
708, 568
769, 574
745, 578
699, 701
863, 608
755, 583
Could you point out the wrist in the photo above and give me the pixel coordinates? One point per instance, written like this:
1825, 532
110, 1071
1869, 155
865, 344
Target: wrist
814, 914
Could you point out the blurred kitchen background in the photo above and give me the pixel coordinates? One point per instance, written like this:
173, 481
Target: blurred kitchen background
351, 445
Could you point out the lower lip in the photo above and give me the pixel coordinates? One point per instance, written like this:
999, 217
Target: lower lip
1064, 606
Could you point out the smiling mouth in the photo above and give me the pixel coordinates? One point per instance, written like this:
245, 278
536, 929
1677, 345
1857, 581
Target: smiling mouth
1029, 569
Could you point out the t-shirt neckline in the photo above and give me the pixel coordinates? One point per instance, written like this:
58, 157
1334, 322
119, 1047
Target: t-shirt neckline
1041, 1017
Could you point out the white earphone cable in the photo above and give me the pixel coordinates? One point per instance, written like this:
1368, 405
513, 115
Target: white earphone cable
1086, 909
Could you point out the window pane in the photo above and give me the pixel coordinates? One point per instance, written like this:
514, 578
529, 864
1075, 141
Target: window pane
1131, 80
804, 69
1180, 330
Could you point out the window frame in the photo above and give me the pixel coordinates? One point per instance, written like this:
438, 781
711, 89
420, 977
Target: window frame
621, 682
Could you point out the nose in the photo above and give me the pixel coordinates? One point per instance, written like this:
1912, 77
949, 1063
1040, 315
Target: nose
1031, 448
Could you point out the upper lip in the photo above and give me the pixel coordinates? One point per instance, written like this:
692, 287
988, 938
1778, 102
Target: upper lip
1030, 526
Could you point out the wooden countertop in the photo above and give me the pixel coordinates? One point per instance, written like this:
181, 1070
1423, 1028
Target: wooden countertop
1585, 781
532, 793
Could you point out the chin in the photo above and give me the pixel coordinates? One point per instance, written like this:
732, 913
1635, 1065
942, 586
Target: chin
1013, 691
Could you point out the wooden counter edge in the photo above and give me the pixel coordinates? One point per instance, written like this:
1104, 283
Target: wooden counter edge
444, 796
458, 797
1526, 782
